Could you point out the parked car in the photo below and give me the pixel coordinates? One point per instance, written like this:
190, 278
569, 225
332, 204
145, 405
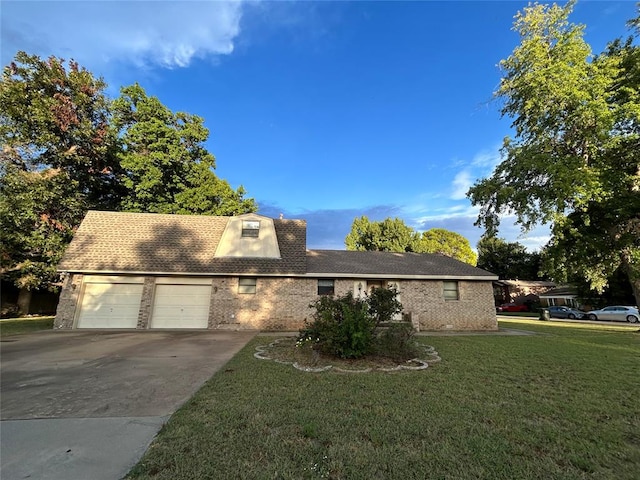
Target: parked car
512, 307
565, 312
618, 312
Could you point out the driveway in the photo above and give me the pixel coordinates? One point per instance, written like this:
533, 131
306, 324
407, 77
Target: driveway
78, 405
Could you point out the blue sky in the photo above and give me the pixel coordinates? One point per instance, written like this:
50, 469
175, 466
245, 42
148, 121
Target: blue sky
322, 110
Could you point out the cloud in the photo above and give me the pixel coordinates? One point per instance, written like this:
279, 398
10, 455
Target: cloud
160, 33
488, 159
461, 184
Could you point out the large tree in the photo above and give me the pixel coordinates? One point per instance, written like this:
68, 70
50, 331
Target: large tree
508, 260
165, 166
58, 160
393, 235
574, 161
67, 148
446, 242
389, 235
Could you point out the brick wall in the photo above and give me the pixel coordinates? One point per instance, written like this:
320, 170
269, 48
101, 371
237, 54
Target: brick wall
69, 296
278, 304
282, 304
474, 310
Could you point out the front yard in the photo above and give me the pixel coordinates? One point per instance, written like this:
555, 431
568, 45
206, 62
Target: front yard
562, 404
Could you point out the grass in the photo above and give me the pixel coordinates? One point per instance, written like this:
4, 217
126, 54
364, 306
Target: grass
561, 405
25, 325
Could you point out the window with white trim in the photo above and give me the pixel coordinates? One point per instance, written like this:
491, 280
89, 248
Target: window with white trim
451, 291
251, 228
247, 285
326, 287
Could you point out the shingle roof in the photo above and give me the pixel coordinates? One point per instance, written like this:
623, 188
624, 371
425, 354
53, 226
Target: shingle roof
563, 291
391, 265
120, 242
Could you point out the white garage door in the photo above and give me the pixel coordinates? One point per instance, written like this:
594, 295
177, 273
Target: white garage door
110, 305
181, 306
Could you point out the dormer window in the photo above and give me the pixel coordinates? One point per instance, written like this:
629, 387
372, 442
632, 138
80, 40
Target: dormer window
250, 228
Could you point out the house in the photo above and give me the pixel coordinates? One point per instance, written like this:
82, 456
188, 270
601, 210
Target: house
154, 271
563, 295
520, 292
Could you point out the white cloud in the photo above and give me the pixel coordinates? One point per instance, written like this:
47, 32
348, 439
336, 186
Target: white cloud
487, 158
460, 185
159, 33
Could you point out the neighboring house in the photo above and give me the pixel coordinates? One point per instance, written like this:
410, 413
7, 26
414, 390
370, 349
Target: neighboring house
564, 295
153, 271
520, 291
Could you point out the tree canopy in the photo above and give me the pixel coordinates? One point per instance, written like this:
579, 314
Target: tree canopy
574, 160
67, 148
393, 235
508, 260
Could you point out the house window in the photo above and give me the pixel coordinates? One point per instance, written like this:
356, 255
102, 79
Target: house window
247, 285
250, 228
325, 287
451, 291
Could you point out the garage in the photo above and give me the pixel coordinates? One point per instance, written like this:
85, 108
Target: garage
110, 302
181, 303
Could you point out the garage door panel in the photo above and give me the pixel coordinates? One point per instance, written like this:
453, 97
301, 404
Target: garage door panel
110, 306
181, 306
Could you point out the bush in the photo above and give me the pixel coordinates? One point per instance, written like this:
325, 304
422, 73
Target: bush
342, 327
348, 327
384, 304
396, 341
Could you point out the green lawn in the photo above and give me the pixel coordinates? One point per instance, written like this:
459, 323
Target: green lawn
560, 405
25, 325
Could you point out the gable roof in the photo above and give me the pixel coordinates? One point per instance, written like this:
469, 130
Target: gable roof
562, 291
119, 242
343, 263
164, 244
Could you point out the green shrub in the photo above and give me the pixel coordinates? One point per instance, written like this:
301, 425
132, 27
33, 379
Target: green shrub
342, 327
384, 304
348, 327
396, 341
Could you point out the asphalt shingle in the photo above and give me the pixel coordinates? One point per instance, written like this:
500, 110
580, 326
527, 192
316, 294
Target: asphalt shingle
173, 244
425, 265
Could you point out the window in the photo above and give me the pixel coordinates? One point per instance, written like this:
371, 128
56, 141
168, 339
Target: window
247, 285
325, 287
250, 228
451, 291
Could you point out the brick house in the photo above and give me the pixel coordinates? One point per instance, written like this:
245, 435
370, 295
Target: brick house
153, 271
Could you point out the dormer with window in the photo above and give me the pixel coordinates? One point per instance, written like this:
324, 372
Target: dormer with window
249, 235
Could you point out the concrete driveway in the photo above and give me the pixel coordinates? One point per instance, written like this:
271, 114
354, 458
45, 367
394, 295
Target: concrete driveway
79, 405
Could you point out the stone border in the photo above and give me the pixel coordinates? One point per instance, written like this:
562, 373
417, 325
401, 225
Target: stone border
414, 364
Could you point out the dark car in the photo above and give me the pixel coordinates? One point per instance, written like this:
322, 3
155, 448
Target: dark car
512, 307
565, 312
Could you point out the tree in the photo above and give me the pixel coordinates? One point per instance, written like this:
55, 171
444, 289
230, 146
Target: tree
393, 235
165, 167
389, 235
52, 116
64, 152
58, 160
38, 215
574, 161
445, 242
508, 260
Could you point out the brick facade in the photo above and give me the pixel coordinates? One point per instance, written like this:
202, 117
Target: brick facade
69, 298
282, 303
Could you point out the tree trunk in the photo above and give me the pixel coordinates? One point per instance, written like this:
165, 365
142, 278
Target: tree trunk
633, 273
24, 301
